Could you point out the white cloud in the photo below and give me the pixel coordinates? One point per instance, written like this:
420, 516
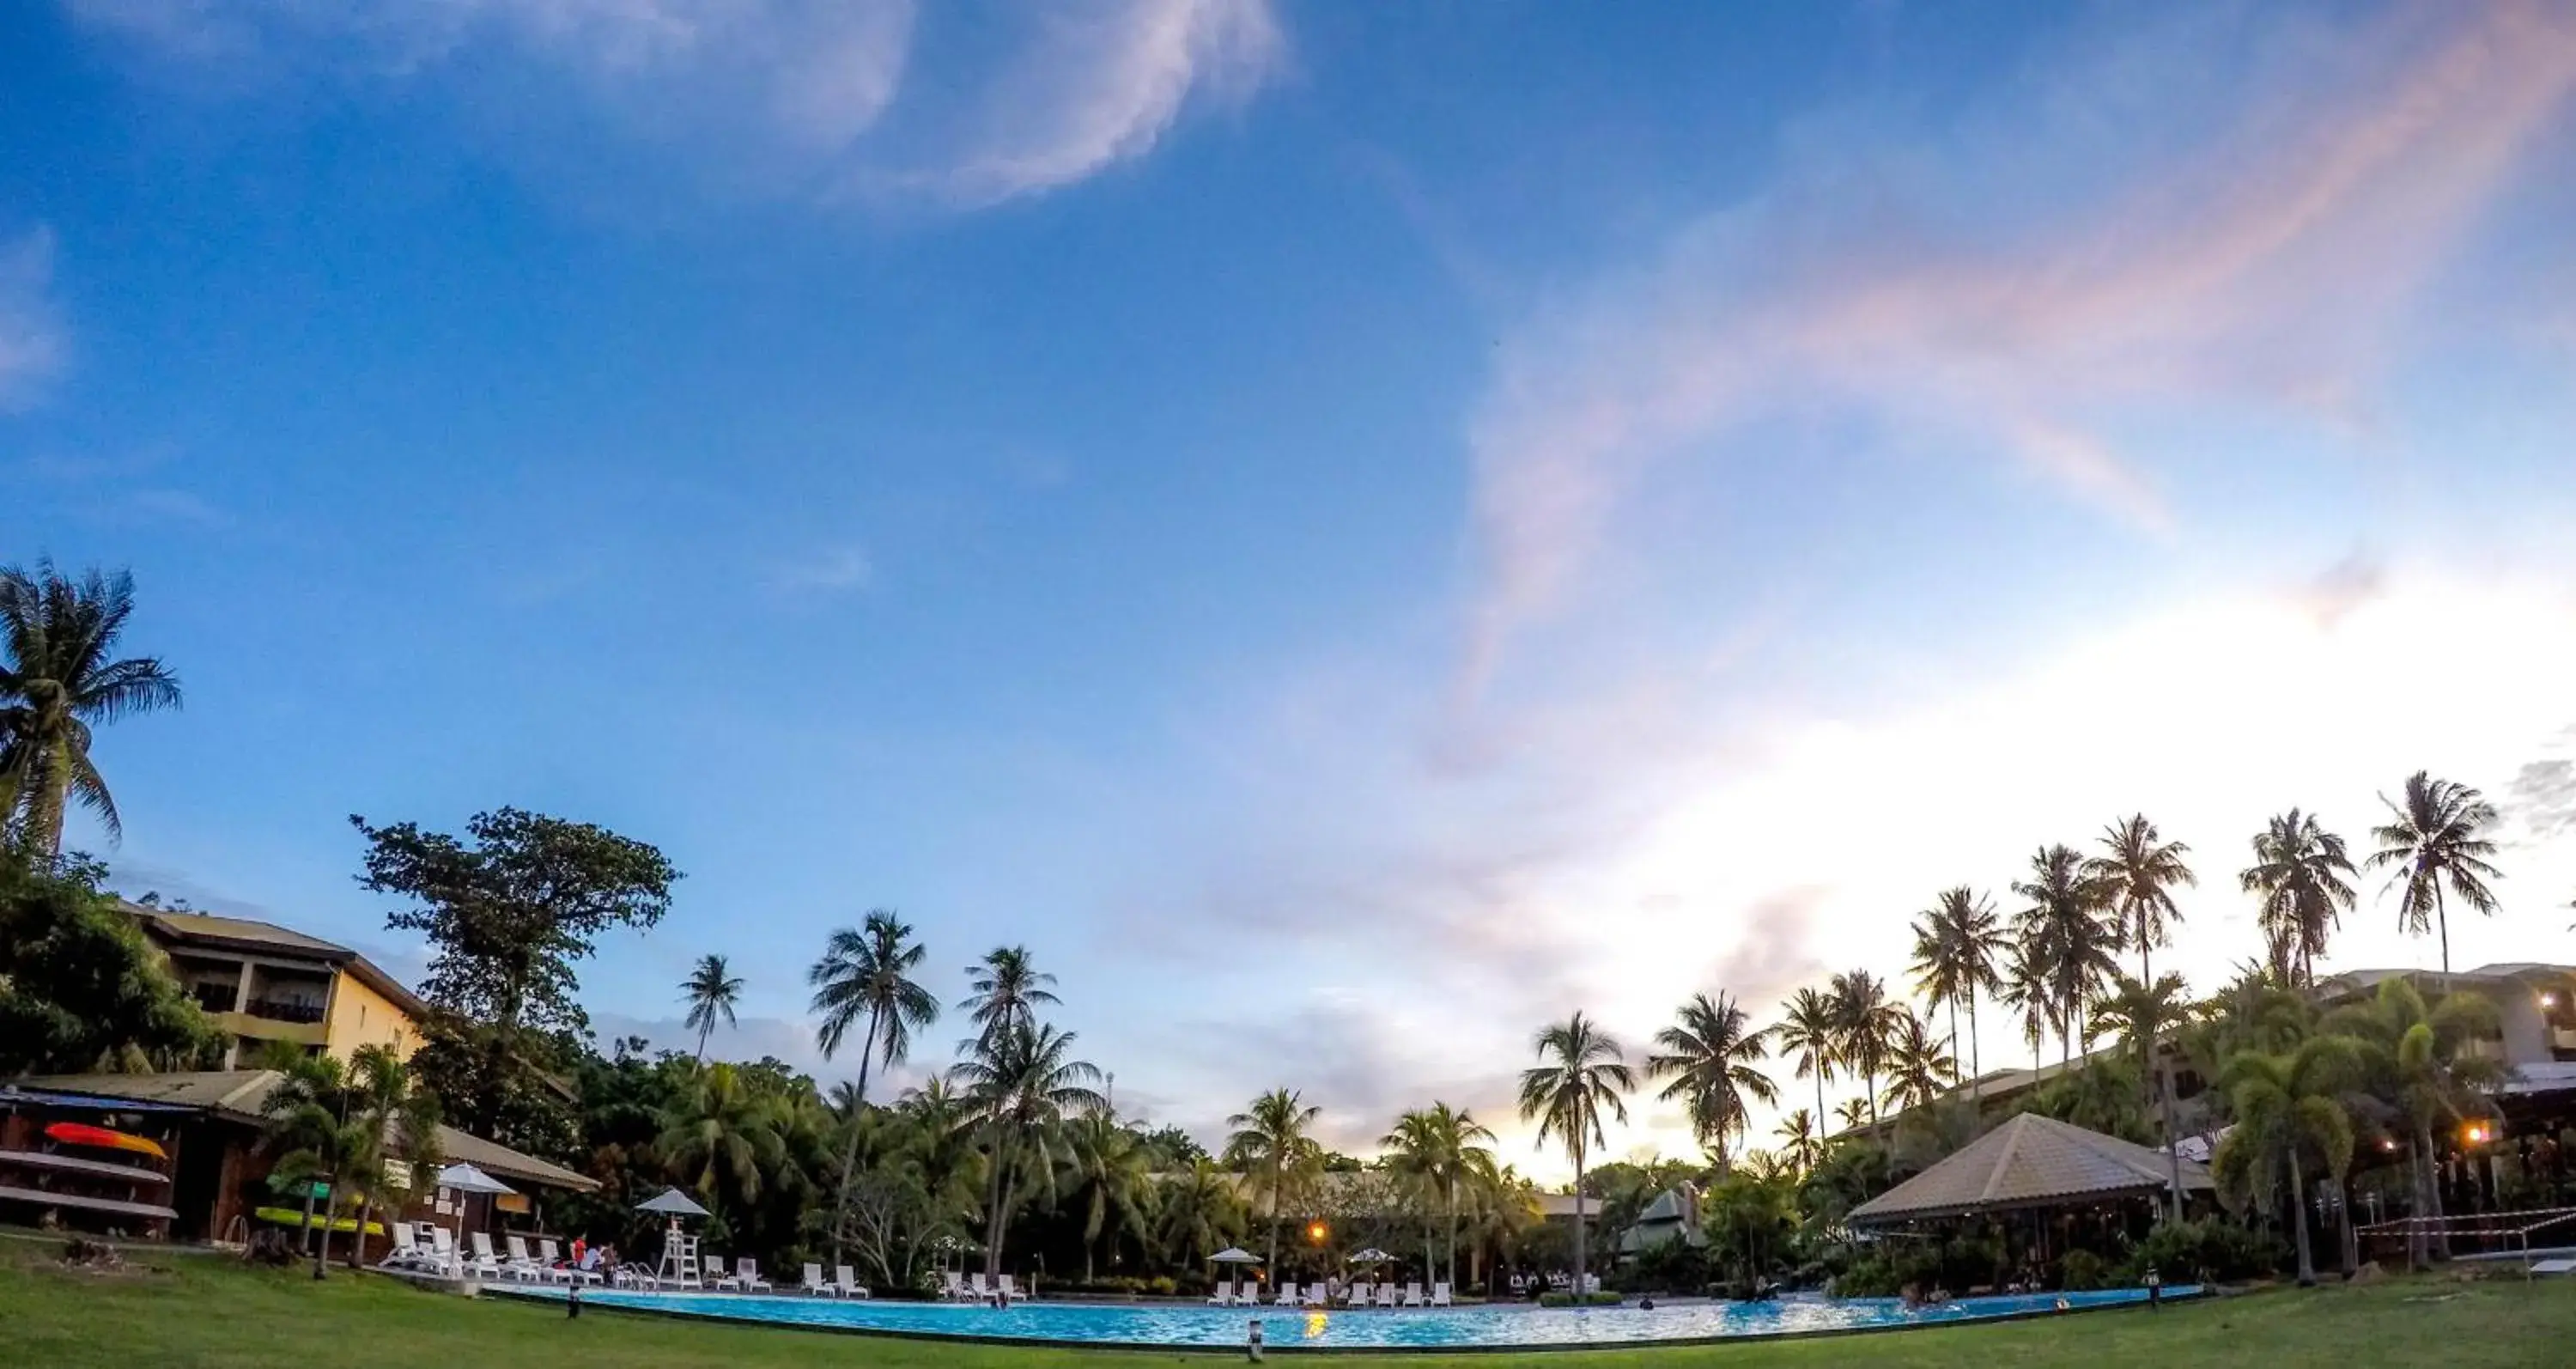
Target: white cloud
780, 97
832, 570
31, 343
2220, 256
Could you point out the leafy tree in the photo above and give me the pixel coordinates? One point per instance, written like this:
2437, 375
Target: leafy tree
2136, 876
2436, 841
2286, 1111
59, 677
865, 973
1020, 1083
308, 1121
2303, 879
722, 1135
1709, 1056
1959, 947
2422, 1059
400, 1118
508, 915
1918, 1069
81, 988
711, 992
1809, 1029
1582, 1074
2142, 1015
1864, 1018
1273, 1141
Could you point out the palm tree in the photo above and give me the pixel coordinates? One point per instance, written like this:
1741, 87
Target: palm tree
710, 993
2437, 839
1798, 1140
1113, 1181
1853, 1112
1918, 1069
1584, 1073
2423, 1059
1007, 990
865, 972
1709, 1054
1959, 945
58, 678
2286, 1108
722, 1134
403, 1117
1809, 1029
1439, 1145
1864, 1018
2028, 988
2304, 881
2141, 1014
1202, 1212
1021, 1082
307, 1118
1272, 1140
2137, 877
2065, 919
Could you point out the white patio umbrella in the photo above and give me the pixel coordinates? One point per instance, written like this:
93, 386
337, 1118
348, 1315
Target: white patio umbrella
1372, 1255
465, 1178
674, 1202
1235, 1255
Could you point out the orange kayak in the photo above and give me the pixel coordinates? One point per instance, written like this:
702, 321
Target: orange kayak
79, 1134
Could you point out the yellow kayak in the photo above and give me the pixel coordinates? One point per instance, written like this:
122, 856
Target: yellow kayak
287, 1216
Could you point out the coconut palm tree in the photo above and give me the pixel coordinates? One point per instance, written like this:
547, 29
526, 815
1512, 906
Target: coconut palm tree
307, 1119
1201, 1212
1273, 1140
2029, 988
1445, 1148
1709, 1055
2286, 1109
1809, 1029
2436, 841
1583, 1074
722, 1135
402, 1115
2141, 1014
2303, 879
2423, 1060
1021, 1082
710, 992
59, 677
1959, 947
2066, 918
865, 974
1864, 1019
1006, 988
2137, 874
1798, 1140
1918, 1069
1853, 1112
1112, 1180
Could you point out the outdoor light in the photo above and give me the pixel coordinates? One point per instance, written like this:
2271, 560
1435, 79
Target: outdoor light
1317, 1232
2549, 1000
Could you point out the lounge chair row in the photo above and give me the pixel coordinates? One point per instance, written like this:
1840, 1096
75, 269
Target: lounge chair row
956, 1287
432, 1250
1248, 1294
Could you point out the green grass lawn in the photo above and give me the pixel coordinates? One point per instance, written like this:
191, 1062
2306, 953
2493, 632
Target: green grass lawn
181, 1310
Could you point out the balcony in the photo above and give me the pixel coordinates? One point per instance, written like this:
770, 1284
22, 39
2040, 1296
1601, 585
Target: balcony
216, 997
281, 1010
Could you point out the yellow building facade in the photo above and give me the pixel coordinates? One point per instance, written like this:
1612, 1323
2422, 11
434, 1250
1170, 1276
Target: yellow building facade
260, 983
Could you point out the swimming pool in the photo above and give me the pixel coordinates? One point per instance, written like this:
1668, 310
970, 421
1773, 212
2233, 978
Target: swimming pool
1162, 1326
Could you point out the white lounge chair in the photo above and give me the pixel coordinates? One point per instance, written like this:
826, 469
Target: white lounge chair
1222, 1295
1009, 1290
1355, 1294
484, 1263
975, 1288
1286, 1296
847, 1284
2554, 1267
442, 1253
1413, 1294
400, 1251
1386, 1293
1440, 1294
746, 1276
952, 1285
814, 1282
712, 1268
519, 1264
1318, 1294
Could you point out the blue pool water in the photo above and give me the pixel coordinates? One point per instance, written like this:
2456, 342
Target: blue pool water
1143, 1325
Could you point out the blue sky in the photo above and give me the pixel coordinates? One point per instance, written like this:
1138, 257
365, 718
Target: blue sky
1350, 529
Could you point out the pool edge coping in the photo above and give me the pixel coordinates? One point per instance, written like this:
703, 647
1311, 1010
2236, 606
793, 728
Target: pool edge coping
524, 1293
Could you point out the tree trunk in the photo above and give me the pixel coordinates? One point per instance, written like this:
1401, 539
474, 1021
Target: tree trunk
2415, 1254
330, 1214
2173, 1143
358, 1238
850, 1154
1581, 1299
1976, 1058
304, 1233
1821, 1120
43, 834
2442, 922
2299, 1221
1276, 1185
2431, 1190
2351, 1236
1451, 1191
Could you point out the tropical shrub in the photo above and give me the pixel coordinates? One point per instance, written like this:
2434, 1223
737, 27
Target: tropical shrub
2208, 1250
2082, 1271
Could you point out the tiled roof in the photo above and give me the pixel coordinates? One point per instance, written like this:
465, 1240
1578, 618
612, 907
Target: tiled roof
2029, 1161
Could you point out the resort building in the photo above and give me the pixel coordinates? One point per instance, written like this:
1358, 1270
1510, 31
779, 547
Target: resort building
262, 983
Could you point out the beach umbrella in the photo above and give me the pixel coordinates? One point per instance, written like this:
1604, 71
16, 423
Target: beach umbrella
1235, 1255
673, 1202
1372, 1255
465, 1178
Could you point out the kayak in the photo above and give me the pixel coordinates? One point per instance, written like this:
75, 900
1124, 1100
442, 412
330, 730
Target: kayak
80, 1134
287, 1216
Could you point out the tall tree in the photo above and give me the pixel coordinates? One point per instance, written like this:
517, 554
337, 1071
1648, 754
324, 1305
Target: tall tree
1112, 1182
1810, 1029
2302, 878
507, 916
2066, 918
1918, 1069
403, 1120
711, 992
2029, 989
1798, 1140
59, 677
722, 1134
1959, 948
1201, 1211
81, 988
2436, 842
1864, 1018
2137, 873
1709, 1056
1582, 1075
1005, 990
1273, 1141
2286, 1109
308, 1122
1021, 1082
2142, 1015
2423, 1059
865, 974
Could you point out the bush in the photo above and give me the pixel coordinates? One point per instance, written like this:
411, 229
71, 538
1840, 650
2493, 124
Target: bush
1552, 1298
2082, 1271
2211, 1250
